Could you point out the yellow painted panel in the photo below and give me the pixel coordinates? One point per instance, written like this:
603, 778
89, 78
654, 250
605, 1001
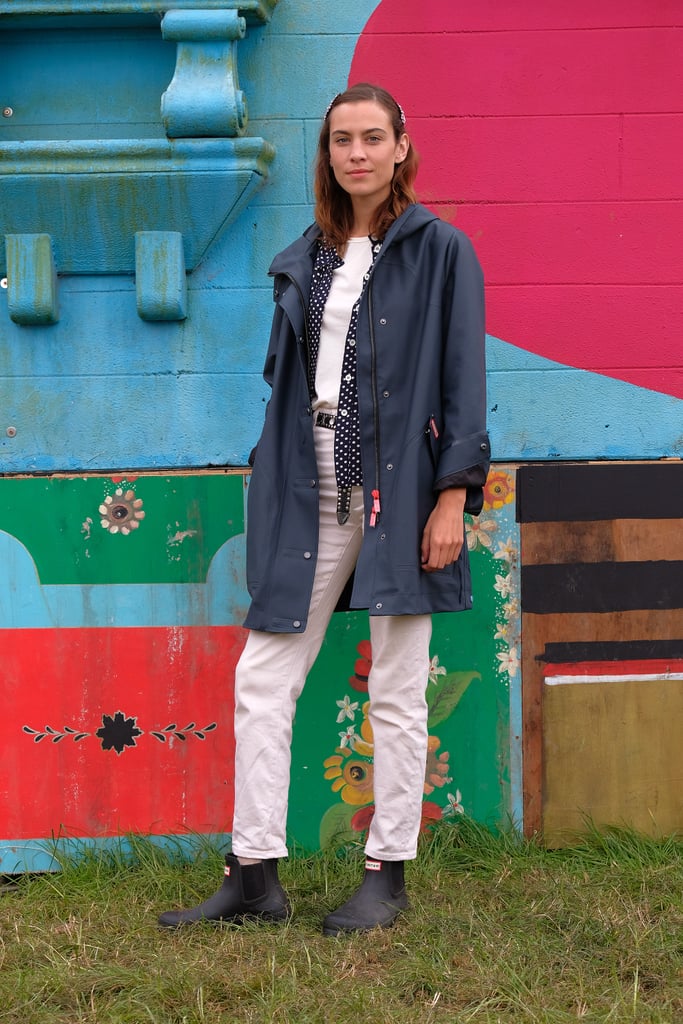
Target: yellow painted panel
612, 750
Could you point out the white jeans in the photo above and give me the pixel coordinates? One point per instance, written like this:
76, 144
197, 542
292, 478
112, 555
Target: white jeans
271, 674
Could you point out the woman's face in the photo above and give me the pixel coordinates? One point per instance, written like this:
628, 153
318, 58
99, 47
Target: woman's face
364, 150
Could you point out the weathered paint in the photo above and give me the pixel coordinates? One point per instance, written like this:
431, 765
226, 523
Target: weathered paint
118, 661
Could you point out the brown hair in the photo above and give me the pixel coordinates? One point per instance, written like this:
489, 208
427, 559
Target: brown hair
333, 210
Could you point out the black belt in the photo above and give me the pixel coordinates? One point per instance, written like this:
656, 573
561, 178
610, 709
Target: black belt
326, 419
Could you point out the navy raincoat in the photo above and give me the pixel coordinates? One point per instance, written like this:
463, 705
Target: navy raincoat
422, 403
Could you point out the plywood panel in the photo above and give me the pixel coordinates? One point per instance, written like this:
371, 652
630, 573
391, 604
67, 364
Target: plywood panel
612, 751
627, 540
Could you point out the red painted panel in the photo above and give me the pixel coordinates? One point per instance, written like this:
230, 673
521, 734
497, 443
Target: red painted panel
601, 243
164, 780
511, 15
545, 72
547, 159
615, 668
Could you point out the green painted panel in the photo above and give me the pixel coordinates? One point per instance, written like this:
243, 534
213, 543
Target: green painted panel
146, 529
472, 692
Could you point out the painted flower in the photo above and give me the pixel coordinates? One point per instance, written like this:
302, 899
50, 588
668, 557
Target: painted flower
503, 585
348, 710
435, 670
360, 822
118, 732
454, 804
359, 680
509, 661
507, 551
352, 777
348, 738
511, 608
436, 773
502, 631
478, 533
121, 512
499, 489
431, 813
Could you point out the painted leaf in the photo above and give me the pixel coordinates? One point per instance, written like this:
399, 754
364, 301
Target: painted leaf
444, 696
335, 826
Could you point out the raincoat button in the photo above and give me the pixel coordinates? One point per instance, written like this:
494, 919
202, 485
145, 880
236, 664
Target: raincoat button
307, 554
382, 536
390, 465
378, 605
385, 394
313, 483
296, 623
483, 446
383, 321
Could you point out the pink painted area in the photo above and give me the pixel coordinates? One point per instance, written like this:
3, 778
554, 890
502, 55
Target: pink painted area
602, 243
533, 73
513, 16
159, 677
600, 158
553, 135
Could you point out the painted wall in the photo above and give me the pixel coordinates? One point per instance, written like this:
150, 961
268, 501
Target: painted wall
553, 136
529, 144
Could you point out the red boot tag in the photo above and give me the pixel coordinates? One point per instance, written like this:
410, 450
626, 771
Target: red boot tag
226, 871
373, 865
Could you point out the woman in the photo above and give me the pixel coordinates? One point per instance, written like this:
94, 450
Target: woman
374, 444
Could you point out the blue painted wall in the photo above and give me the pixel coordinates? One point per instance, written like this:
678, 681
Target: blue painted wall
101, 389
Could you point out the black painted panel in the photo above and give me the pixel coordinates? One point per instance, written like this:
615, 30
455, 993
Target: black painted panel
601, 586
613, 650
569, 492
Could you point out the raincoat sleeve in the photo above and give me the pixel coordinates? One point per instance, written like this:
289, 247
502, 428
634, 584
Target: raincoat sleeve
464, 440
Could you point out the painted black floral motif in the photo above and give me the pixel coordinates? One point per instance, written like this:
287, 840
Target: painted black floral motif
118, 732
181, 734
54, 734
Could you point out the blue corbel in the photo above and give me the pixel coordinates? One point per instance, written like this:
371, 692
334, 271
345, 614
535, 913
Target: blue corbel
160, 281
204, 98
31, 279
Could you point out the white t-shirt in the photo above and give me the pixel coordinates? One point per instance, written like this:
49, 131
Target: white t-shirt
347, 284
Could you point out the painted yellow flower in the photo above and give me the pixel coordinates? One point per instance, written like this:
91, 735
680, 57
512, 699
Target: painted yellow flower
353, 777
499, 489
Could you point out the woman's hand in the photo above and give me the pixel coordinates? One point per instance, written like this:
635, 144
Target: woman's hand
444, 532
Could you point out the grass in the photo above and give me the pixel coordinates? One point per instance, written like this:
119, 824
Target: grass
500, 931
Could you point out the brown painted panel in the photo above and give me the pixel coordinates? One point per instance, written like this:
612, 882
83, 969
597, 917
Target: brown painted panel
617, 540
612, 751
539, 630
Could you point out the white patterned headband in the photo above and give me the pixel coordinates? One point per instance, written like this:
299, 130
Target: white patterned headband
335, 98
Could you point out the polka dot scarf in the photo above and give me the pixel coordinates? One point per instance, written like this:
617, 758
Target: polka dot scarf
347, 455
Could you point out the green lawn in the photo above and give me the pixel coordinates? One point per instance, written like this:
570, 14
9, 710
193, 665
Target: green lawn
500, 930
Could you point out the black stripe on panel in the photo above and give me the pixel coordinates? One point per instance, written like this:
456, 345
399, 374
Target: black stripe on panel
601, 587
569, 492
613, 650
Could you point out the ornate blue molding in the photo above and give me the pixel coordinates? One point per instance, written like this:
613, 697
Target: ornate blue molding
204, 97
105, 206
93, 196
31, 280
258, 11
